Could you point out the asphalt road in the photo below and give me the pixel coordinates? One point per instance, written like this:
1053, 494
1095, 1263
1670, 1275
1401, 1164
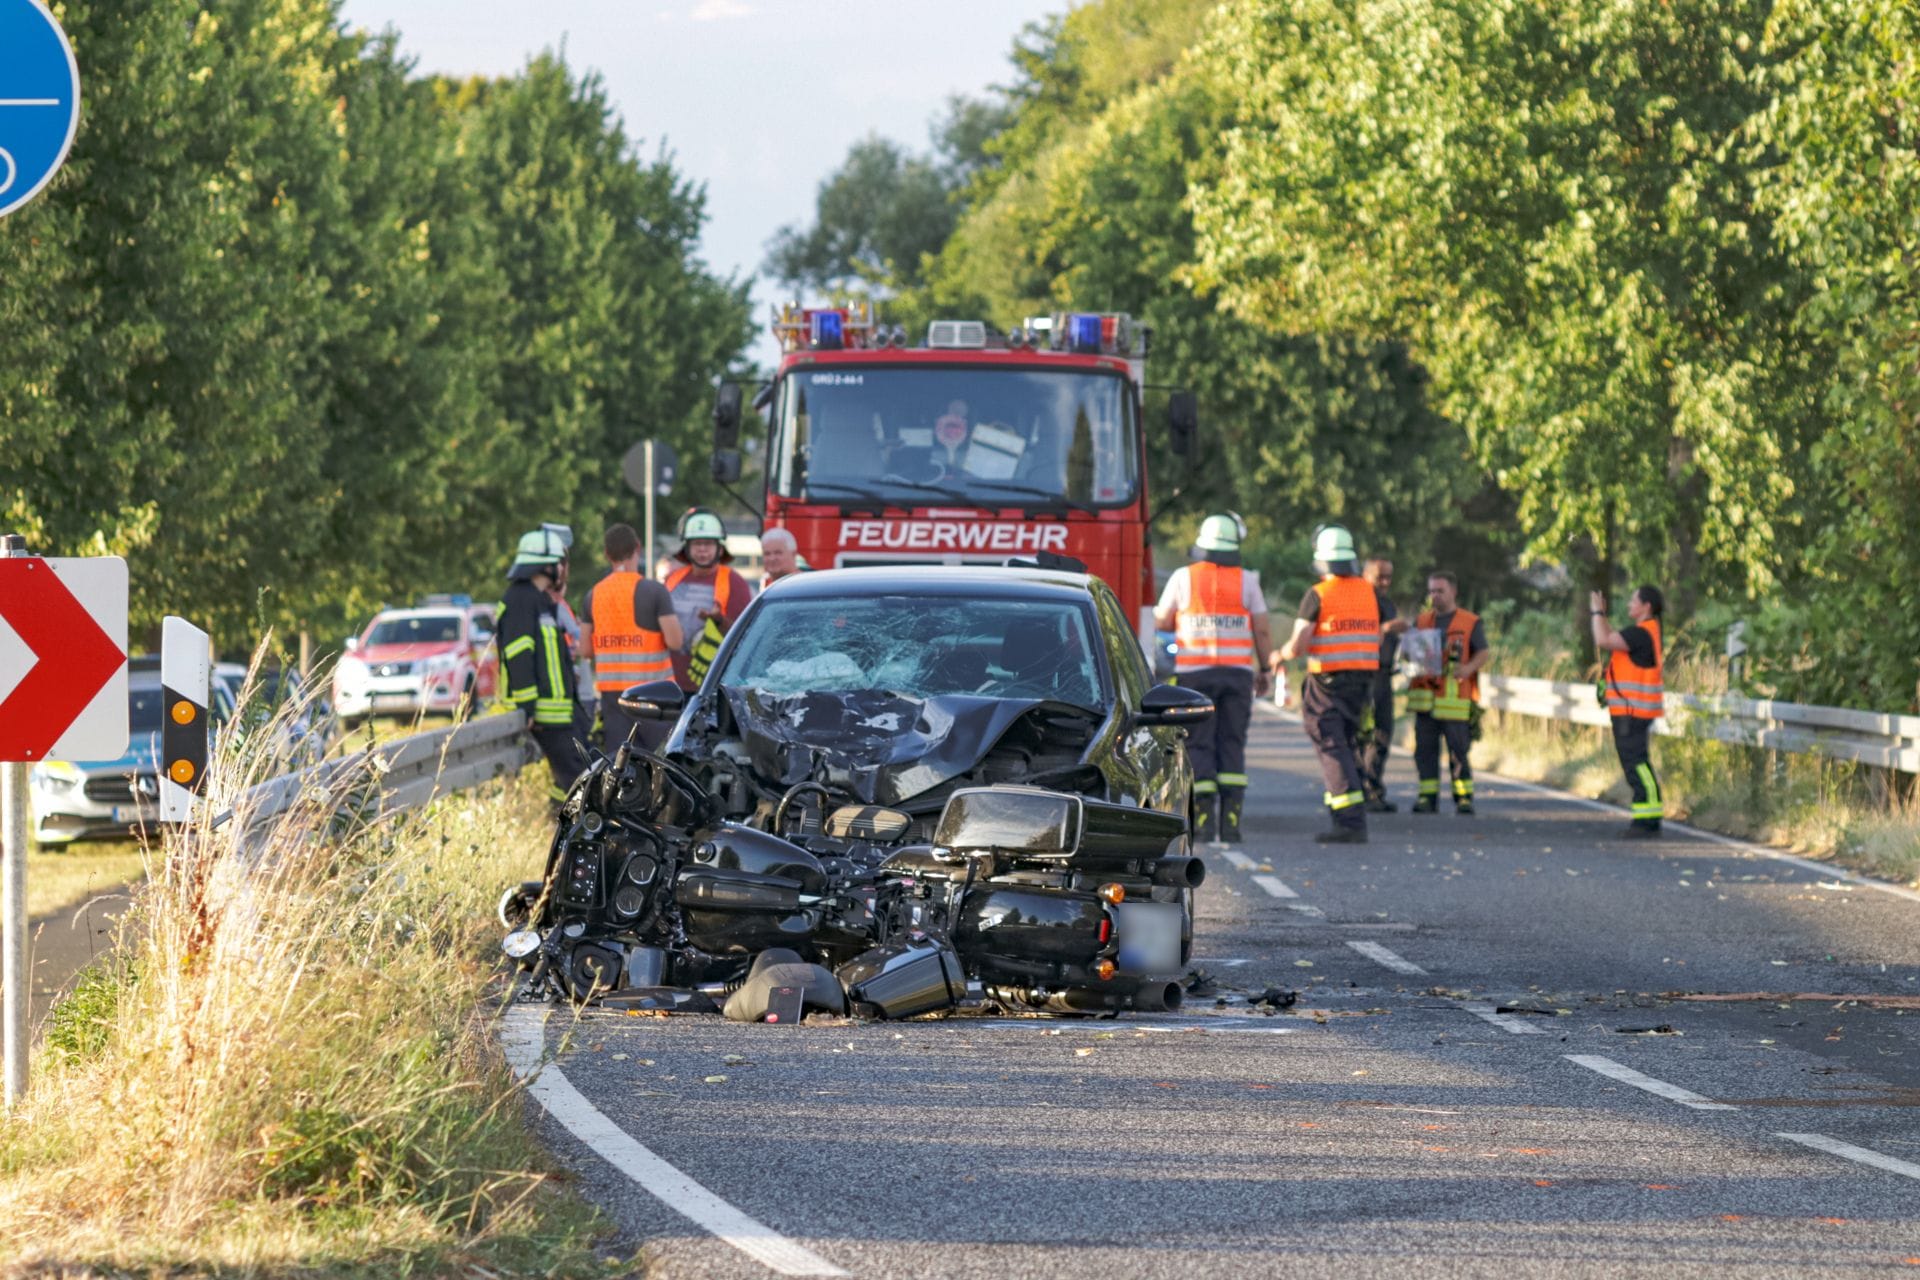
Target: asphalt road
1394, 1122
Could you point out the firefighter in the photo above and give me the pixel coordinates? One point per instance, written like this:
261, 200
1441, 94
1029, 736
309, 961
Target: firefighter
707, 595
536, 676
1339, 620
632, 632
1219, 615
1634, 694
1376, 721
1444, 705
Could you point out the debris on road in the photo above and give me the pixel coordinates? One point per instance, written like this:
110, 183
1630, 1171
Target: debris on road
1664, 1029
1274, 999
1788, 997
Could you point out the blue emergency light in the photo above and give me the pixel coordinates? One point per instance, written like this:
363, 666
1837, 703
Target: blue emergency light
828, 332
1083, 333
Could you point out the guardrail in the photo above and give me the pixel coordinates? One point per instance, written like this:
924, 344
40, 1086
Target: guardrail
403, 774
1867, 737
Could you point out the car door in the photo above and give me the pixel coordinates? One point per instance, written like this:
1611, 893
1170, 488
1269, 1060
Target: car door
1151, 758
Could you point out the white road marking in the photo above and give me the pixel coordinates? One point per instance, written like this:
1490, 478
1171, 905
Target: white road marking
522, 1037
1234, 963
1303, 908
1504, 1021
1239, 859
1275, 886
1386, 956
1805, 864
1847, 1151
1627, 1075
1217, 1023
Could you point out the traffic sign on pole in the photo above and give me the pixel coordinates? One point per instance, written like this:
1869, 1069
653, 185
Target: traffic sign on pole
63, 658
39, 100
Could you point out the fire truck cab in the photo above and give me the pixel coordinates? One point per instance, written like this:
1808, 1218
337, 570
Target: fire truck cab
978, 447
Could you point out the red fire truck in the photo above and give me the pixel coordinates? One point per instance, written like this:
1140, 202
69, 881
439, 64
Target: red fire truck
974, 448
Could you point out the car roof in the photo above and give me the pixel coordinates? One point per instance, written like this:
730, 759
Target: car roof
989, 581
431, 611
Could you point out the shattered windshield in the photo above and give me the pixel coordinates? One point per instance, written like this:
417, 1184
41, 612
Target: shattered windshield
1002, 437
920, 647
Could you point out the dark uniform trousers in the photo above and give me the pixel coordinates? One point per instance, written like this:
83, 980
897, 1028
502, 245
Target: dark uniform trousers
1428, 733
1630, 734
1218, 747
1331, 706
616, 724
565, 747
1374, 748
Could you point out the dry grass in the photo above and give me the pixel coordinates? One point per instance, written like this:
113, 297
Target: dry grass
286, 1068
60, 877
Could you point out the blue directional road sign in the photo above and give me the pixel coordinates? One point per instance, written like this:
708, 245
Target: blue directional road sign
39, 100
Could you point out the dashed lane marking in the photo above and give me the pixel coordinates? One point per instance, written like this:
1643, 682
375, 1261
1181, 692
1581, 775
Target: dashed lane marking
1239, 859
1275, 886
1504, 1021
1386, 956
522, 1037
1304, 909
1627, 1075
1847, 1151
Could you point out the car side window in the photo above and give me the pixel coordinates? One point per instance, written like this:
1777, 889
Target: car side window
1123, 651
480, 627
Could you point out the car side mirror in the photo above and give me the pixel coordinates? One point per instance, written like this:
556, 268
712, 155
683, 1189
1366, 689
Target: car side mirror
1173, 704
726, 417
655, 700
726, 466
353, 644
1183, 422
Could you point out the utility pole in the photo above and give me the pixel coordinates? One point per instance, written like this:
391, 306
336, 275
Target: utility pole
13, 901
646, 568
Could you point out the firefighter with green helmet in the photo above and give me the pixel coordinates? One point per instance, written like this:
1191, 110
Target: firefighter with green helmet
1338, 631
1218, 614
536, 670
708, 596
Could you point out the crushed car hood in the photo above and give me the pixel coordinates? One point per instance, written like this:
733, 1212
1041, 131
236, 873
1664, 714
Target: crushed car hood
883, 747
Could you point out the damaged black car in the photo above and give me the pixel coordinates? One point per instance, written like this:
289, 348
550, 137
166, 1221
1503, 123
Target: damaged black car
896, 791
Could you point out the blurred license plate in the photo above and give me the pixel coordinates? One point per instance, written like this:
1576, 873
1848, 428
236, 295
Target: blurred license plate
127, 815
1149, 934
393, 699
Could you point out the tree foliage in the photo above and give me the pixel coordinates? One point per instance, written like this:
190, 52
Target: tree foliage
299, 331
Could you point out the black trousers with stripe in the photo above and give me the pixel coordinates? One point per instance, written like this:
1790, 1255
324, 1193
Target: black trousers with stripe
1630, 740
1218, 747
1331, 705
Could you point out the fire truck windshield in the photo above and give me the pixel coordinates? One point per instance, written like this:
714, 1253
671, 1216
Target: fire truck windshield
994, 437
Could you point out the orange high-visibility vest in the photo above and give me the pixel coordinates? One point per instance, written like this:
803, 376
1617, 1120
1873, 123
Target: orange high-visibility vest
1346, 635
1636, 691
723, 580
1215, 627
624, 652
1457, 646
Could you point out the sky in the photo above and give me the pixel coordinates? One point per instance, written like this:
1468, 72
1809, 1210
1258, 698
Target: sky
757, 99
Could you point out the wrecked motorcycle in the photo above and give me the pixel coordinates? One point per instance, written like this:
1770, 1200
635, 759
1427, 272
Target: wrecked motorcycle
1026, 897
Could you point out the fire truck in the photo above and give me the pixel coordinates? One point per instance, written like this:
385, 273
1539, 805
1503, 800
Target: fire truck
976, 448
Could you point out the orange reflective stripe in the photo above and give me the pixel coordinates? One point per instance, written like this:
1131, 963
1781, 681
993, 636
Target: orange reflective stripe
1637, 692
723, 580
1214, 627
1346, 635
624, 652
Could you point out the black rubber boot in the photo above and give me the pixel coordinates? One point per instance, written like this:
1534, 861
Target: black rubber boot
1342, 835
1206, 818
1426, 804
1380, 804
1231, 801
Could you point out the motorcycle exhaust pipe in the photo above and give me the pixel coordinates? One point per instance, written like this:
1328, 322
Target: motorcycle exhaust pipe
1180, 872
1159, 997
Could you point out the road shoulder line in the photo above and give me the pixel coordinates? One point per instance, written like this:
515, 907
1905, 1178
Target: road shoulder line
523, 1036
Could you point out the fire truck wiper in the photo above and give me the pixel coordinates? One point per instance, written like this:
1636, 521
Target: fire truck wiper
851, 491
1052, 497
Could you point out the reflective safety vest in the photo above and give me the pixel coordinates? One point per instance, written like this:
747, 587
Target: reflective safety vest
1636, 691
624, 652
1445, 697
1215, 627
706, 641
1346, 635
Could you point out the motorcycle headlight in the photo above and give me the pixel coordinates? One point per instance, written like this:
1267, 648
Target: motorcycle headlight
57, 776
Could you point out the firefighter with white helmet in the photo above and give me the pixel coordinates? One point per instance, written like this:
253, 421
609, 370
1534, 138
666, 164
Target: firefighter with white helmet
1219, 617
536, 670
708, 596
1339, 621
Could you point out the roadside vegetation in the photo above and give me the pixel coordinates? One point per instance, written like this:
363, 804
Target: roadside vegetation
61, 877
286, 1067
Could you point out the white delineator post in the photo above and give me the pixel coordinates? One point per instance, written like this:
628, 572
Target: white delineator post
13, 901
